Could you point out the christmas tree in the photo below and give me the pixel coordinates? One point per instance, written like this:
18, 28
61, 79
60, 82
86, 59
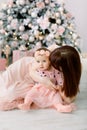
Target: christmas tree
27, 23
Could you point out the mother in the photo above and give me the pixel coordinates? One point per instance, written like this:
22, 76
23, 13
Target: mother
66, 59
16, 81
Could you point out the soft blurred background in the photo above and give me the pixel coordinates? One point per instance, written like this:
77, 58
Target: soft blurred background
78, 9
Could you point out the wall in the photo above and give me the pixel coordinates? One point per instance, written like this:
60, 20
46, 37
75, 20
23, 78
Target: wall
78, 9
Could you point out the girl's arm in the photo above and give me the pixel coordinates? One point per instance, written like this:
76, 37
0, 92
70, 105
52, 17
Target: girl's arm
44, 80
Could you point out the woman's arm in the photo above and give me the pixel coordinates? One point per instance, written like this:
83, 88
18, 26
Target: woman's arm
44, 80
67, 100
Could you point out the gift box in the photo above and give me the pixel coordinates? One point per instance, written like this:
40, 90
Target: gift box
3, 64
17, 54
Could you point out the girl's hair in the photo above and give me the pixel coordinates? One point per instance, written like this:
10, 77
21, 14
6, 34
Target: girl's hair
43, 48
67, 60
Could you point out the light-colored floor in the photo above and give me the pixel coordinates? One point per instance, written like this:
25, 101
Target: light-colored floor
49, 119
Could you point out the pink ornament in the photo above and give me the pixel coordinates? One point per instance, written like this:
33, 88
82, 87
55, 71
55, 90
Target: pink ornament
43, 22
14, 44
14, 23
40, 5
61, 30
2, 31
25, 37
10, 3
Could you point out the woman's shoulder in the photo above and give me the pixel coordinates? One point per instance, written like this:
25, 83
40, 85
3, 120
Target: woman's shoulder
27, 59
21, 62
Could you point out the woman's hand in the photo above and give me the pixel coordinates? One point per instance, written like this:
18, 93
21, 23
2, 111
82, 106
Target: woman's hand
57, 87
43, 80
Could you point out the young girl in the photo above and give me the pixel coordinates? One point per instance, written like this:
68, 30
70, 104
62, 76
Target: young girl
40, 95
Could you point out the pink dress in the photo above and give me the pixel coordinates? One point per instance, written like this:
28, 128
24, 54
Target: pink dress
44, 97
15, 81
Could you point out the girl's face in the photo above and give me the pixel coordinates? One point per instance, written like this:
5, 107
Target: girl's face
42, 62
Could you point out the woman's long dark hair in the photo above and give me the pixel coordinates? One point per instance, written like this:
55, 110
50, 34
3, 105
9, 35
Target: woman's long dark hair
67, 59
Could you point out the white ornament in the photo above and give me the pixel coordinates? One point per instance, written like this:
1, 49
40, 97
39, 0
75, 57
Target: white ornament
33, 14
21, 28
57, 14
9, 27
31, 38
60, 9
8, 11
17, 2
58, 21
22, 2
23, 10
74, 36
10, 18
